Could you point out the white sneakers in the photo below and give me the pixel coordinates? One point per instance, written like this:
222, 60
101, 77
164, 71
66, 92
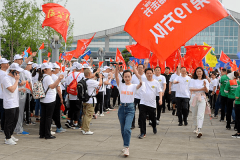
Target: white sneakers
101, 115
195, 131
87, 133
53, 133
14, 139
10, 142
125, 152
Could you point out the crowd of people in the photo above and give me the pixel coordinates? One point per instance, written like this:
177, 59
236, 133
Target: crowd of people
141, 87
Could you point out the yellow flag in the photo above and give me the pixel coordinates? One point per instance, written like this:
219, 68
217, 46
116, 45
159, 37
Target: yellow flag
210, 58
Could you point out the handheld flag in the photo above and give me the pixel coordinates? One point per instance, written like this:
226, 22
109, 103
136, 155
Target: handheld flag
111, 60
210, 58
28, 86
62, 108
60, 56
86, 54
138, 51
224, 58
42, 46
100, 63
69, 55
28, 50
57, 17
44, 61
49, 54
164, 26
119, 58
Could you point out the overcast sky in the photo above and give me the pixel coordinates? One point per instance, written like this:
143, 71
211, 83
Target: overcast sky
96, 15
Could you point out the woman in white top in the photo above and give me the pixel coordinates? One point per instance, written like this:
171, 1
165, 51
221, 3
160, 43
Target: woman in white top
198, 86
47, 103
126, 110
213, 82
35, 76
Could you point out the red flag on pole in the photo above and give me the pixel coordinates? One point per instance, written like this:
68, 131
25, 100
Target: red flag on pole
224, 58
100, 63
86, 57
60, 56
28, 50
62, 108
28, 86
82, 46
69, 55
63, 68
57, 17
119, 58
164, 26
44, 61
174, 60
49, 54
111, 60
138, 51
42, 46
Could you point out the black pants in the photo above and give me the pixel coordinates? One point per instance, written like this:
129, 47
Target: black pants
159, 108
223, 106
56, 112
32, 104
237, 119
182, 109
11, 119
136, 103
2, 114
152, 116
115, 95
229, 112
107, 99
27, 109
166, 98
74, 111
46, 119
212, 99
99, 105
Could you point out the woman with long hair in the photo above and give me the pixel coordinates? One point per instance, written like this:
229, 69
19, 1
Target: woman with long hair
199, 85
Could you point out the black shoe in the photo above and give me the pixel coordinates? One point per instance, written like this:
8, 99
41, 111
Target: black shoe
41, 137
233, 122
67, 124
180, 124
163, 111
228, 128
173, 112
51, 137
141, 136
111, 107
155, 130
185, 123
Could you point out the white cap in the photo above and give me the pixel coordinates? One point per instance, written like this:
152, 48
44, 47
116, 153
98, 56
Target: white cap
34, 65
39, 66
75, 63
67, 69
3, 61
29, 63
86, 66
17, 56
55, 65
45, 66
106, 67
78, 66
15, 67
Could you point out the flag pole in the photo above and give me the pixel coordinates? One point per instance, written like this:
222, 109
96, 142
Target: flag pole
235, 20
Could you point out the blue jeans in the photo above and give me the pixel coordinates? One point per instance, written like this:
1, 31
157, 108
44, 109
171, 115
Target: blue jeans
126, 112
233, 114
217, 105
38, 107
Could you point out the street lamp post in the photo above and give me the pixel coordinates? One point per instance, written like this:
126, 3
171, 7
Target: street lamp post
55, 45
101, 54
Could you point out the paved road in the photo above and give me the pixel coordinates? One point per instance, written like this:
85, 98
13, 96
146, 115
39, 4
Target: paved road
170, 143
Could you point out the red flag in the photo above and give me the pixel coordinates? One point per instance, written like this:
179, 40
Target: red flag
138, 51
44, 61
163, 26
111, 60
63, 68
28, 50
69, 55
62, 108
86, 57
100, 63
57, 17
28, 86
82, 46
49, 54
42, 46
119, 58
224, 58
174, 60
197, 52
60, 56
58, 63
93, 65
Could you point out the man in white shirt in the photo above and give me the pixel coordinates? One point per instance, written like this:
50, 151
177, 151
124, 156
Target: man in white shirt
172, 89
75, 103
4, 66
182, 96
162, 81
88, 107
213, 83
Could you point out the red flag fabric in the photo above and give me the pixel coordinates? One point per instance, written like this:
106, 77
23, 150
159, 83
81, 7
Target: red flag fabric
60, 56
100, 63
63, 68
28, 50
42, 46
138, 51
224, 58
82, 46
28, 86
57, 17
174, 60
111, 60
119, 58
58, 63
49, 54
44, 61
86, 57
197, 52
163, 26
69, 55
93, 65
62, 108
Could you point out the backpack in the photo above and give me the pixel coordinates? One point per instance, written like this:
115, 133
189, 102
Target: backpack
38, 91
82, 90
72, 87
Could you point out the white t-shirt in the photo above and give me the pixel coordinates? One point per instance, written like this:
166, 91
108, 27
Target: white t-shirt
149, 91
91, 86
51, 93
10, 100
213, 83
55, 77
182, 88
35, 78
135, 80
2, 75
172, 78
198, 84
161, 79
127, 92
69, 79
